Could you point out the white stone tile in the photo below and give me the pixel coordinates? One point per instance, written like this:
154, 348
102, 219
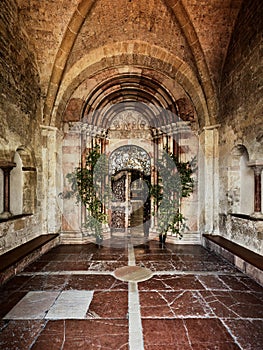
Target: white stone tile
32, 306
71, 304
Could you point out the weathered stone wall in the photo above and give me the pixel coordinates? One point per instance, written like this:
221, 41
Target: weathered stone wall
112, 21
241, 96
241, 120
20, 118
46, 21
242, 230
19, 81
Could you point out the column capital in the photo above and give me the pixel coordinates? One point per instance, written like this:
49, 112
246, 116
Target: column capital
257, 166
211, 127
7, 165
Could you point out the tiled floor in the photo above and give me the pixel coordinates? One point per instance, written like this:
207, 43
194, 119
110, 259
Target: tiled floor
193, 300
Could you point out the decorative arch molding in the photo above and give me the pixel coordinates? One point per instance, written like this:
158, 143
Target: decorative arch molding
141, 55
73, 30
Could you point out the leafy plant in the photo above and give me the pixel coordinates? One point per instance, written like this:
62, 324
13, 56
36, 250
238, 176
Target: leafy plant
175, 182
85, 183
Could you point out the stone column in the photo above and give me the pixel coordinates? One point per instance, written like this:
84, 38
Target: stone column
209, 180
154, 175
257, 168
52, 178
7, 167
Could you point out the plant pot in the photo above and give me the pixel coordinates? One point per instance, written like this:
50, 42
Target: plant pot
99, 241
162, 239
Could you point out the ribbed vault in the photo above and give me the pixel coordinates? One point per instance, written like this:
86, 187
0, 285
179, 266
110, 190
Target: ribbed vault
74, 28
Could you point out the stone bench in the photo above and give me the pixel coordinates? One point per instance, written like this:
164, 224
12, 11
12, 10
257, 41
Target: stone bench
18, 258
244, 259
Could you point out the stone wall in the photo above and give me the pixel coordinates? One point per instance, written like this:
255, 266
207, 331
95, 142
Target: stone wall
19, 127
241, 137
241, 96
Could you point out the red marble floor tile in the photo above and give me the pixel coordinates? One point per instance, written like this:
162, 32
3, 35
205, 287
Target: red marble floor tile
52, 336
172, 283
234, 304
106, 265
95, 282
112, 305
2, 324
248, 333
53, 256
156, 257
251, 284
234, 283
173, 304
79, 257
110, 256
174, 308
8, 301
155, 266
74, 248
15, 283
164, 335
37, 266
209, 334
67, 266
20, 335
46, 282
84, 334
213, 282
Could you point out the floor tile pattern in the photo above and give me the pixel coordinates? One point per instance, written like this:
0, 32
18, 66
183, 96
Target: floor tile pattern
194, 300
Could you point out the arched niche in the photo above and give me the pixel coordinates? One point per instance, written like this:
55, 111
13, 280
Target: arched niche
23, 182
240, 182
16, 186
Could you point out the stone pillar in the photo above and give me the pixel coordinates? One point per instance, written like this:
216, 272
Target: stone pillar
52, 179
209, 180
154, 175
257, 168
7, 167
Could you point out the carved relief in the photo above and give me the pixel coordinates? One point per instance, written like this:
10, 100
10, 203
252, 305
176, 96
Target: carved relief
118, 218
130, 157
118, 189
130, 124
128, 120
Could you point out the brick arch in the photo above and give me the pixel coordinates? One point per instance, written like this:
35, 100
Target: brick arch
140, 55
71, 34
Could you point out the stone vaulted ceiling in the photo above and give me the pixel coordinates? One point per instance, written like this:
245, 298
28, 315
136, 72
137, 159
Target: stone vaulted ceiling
116, 48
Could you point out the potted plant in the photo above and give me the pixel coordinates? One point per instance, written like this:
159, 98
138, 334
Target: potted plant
84, 183
175, 182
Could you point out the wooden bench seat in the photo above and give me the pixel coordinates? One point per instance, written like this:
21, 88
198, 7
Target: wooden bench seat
18, 258
244, 259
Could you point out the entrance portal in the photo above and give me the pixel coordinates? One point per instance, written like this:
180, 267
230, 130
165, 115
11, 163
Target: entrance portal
130, 202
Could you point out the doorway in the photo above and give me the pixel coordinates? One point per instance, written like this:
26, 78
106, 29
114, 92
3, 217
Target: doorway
130, 207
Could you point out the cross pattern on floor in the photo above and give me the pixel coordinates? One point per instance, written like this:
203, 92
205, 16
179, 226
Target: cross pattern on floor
192, 300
